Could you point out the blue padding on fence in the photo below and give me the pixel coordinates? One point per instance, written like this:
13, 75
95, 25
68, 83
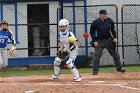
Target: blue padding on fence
30, 60
81, 61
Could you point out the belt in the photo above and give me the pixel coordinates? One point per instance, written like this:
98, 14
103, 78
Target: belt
105, 39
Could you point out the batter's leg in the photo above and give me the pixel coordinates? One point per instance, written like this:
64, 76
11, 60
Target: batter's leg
5, 57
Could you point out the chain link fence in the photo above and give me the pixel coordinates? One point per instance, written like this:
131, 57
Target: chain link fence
77, 20
36, 30
36, 27
130, 34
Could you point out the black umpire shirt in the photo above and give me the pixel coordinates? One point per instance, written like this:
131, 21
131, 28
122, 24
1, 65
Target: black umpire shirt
102, 30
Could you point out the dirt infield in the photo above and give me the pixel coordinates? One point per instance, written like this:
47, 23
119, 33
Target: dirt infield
102, 83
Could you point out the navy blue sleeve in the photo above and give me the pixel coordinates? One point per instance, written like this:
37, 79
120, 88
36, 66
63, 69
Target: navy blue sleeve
93, 30
112, 28
11, 37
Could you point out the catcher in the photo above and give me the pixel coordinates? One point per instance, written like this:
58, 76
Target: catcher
5, 34
67, 50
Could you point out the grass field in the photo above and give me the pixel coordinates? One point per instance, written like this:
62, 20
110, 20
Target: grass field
11, 72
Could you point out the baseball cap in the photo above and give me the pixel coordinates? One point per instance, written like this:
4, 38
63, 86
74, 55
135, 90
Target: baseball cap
3, 22
103, 11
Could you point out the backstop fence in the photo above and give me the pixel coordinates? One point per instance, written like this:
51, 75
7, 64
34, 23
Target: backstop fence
35, 25
80, 24
130, 33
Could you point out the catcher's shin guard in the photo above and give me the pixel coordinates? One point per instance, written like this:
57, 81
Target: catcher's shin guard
70, 64
75, 73
57, 69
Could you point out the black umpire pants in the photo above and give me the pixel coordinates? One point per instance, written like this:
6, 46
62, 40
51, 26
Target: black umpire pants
112, 51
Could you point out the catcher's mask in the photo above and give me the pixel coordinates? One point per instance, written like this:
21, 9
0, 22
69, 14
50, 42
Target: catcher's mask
63, 24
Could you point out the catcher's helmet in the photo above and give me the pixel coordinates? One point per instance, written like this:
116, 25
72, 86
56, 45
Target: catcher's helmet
3, 22
63, 22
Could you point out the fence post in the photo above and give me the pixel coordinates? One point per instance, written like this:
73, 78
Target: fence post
57, 25
74, 18
61, 11
1, 11
122, 34
117, 23
85, 23
16, 22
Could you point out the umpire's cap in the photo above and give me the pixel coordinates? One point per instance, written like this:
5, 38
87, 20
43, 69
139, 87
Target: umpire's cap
3, 22
103, 11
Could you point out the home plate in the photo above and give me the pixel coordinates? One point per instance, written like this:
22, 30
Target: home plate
97, 82
36, 91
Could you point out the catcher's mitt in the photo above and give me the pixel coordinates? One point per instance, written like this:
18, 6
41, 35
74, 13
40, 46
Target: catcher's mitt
62, 54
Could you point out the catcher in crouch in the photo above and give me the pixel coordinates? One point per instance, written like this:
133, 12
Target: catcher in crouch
5, 34
67, 50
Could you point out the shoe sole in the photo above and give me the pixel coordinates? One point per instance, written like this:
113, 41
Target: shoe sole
53, 78
122, 71
76, 80
95, 74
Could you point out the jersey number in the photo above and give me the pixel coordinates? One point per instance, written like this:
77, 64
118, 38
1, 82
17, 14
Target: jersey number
1, 40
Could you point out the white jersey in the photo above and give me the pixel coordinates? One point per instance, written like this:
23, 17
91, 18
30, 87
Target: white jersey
64, 38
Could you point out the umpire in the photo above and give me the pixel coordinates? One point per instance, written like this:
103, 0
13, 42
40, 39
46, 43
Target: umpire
103, 36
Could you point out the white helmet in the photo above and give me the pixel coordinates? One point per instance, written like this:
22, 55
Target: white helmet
63, 22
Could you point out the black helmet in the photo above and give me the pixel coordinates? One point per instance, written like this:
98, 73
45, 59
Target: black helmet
3, 22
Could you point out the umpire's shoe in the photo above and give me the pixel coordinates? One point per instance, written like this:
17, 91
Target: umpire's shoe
95, 72
121, 70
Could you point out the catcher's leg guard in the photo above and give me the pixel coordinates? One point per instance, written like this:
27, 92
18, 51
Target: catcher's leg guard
70, 64
57, 69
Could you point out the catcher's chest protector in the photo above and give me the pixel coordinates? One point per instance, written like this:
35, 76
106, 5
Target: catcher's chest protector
64, 38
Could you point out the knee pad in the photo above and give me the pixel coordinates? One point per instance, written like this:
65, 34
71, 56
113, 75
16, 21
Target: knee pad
57, 61
70, 63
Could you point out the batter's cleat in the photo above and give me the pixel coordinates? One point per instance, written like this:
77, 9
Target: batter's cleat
54, 77
77, 79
